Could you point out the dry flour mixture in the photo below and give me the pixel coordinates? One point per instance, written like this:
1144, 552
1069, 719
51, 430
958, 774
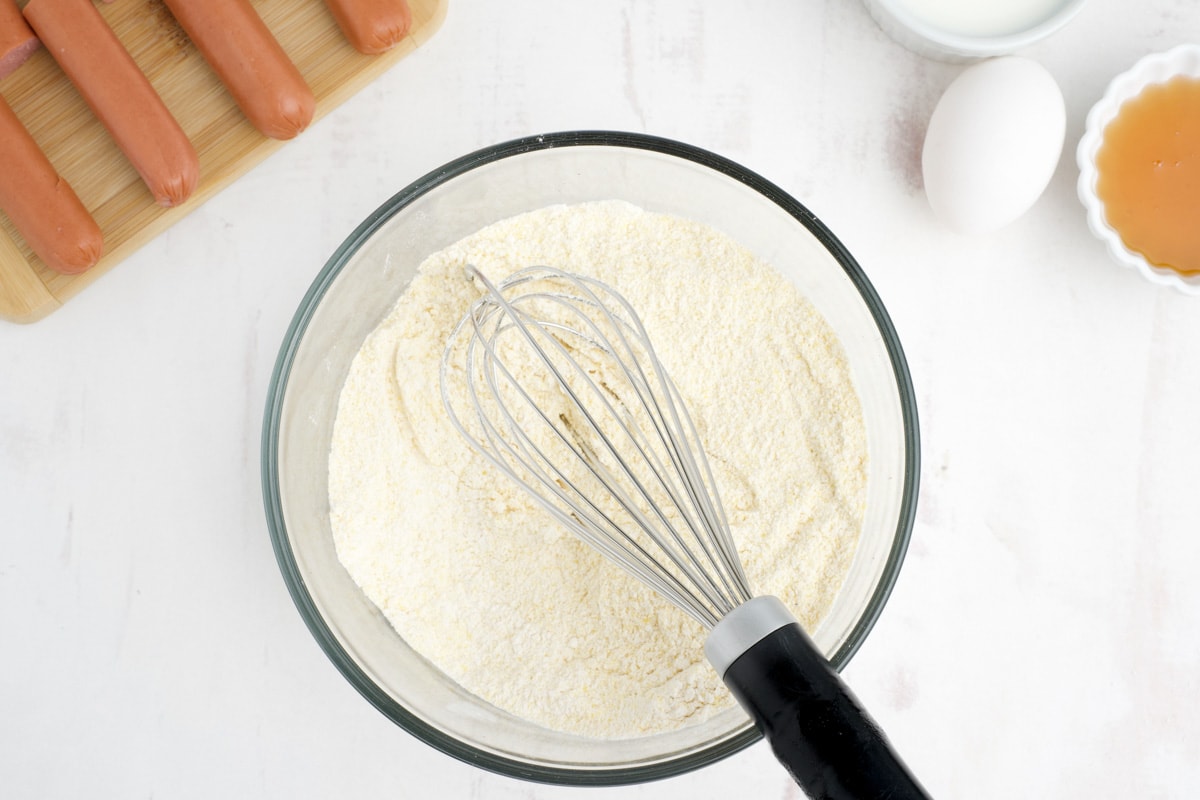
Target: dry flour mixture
485, 585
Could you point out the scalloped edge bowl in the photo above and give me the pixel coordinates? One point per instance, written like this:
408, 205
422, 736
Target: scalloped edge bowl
1151, 69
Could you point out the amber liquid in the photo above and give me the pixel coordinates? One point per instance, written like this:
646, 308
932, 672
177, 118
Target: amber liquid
1149, 174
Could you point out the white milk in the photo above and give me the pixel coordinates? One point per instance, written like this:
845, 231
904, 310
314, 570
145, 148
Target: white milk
981, 17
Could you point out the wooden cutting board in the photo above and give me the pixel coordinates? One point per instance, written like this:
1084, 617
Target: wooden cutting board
84, 154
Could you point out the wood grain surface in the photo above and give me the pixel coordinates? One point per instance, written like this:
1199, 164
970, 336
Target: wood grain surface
84, 154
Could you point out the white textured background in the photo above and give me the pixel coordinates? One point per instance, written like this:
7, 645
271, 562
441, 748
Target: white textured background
1043, 640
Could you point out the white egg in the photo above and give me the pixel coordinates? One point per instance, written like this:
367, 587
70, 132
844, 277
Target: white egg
993, 143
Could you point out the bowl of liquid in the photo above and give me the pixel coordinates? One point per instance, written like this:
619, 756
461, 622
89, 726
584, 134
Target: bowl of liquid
1139, 168
951, 30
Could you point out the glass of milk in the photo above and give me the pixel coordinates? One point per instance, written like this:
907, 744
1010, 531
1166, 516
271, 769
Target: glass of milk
961, 30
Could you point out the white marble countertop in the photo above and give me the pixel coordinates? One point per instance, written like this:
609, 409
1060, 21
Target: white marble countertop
1043, 639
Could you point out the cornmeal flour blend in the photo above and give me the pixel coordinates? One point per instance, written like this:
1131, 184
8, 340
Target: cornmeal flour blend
485, 585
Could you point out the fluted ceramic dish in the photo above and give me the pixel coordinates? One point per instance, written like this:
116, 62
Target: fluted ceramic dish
1151, 69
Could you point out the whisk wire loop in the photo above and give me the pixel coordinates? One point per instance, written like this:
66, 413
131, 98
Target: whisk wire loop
617, 459
601, 531
640, 383
587, 457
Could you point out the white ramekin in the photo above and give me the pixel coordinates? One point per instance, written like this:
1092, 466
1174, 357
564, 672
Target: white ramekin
1151, 69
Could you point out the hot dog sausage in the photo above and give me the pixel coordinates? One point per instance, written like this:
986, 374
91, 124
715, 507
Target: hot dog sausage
16, 39
119, 95
41, 205
372, 26
240, 48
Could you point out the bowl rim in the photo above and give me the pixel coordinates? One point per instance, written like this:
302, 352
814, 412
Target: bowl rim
966, 45
1159, 67
293, 578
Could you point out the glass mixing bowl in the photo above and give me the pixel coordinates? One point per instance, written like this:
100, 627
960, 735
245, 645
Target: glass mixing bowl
359, 285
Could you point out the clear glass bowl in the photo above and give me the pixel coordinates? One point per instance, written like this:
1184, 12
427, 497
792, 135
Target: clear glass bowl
359, 285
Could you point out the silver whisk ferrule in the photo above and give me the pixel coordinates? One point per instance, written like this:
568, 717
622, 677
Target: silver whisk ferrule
552, 377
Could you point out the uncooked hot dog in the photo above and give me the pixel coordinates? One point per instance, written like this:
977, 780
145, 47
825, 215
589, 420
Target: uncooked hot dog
41, 205
16, 39
119, 95
372, 26
240, 48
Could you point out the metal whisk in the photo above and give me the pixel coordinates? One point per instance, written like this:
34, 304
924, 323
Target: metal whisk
552, 377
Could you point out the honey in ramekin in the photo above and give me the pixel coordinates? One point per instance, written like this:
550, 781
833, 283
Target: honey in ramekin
1148, 169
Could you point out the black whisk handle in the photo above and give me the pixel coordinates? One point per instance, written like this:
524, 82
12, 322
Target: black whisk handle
816, 727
